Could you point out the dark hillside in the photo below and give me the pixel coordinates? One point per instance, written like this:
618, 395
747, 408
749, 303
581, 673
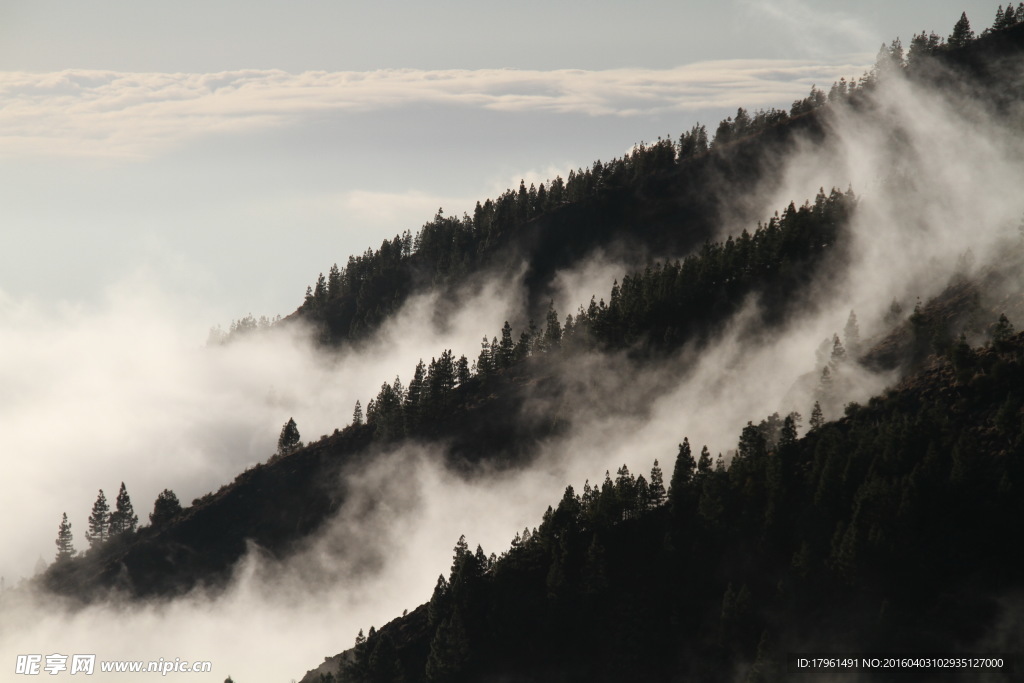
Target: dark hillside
887, 531
648, 204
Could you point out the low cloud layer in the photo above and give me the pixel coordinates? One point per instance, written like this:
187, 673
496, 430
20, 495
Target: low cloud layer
106, 113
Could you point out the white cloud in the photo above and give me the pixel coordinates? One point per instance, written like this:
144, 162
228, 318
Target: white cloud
107, 113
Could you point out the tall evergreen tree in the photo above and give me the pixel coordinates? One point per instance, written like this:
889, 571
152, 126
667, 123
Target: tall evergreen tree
357, 414
962, 34
704, 465
506, 347
485, 361
852, 335
99, 522
817, 418
165, 508
553, 329
838, 357
462, 371
682, 474
65, 545
657, 486
123, 519
416, 396
289, 441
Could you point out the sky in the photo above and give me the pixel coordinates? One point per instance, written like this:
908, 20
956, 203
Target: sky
228, 152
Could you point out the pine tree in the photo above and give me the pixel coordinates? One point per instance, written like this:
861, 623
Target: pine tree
852, 335
962, 34
123, 519
506, 347
440, 603
462, 371
657, 486
704, 466
838, 357
552, 330
334, 281
99, 522
416, 396
825, 387
682, 474
643, 493
817, 419
357, 414
625, 487
485, 361
289, 441
165, 508
790, 427
65, 545
1002, 331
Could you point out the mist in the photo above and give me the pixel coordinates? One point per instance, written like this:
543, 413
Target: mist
128, 393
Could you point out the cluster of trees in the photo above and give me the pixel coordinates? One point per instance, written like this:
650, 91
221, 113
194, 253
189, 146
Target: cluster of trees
886, 530
832, 357
351, 300
660, 308
398, 410
239, 328
106, 525
924, 45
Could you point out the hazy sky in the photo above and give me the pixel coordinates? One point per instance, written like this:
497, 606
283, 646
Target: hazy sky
230, 151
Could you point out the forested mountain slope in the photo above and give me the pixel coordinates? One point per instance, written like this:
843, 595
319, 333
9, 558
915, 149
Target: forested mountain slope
891, 530
479, 417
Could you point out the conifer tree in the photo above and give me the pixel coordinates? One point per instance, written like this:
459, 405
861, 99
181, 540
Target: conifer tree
506, 347
416, 396
99, 522
485, 361
438, 607
165, 508
65, 545
123, 519
704, 466
825, 384
682, 474
357, 414
962, 34
852, 335
289, 441
462, 371
657, 486
838, 357
790, 426
817, 419
643, 493
552, 330
334, 281
625, 487
1002, 331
